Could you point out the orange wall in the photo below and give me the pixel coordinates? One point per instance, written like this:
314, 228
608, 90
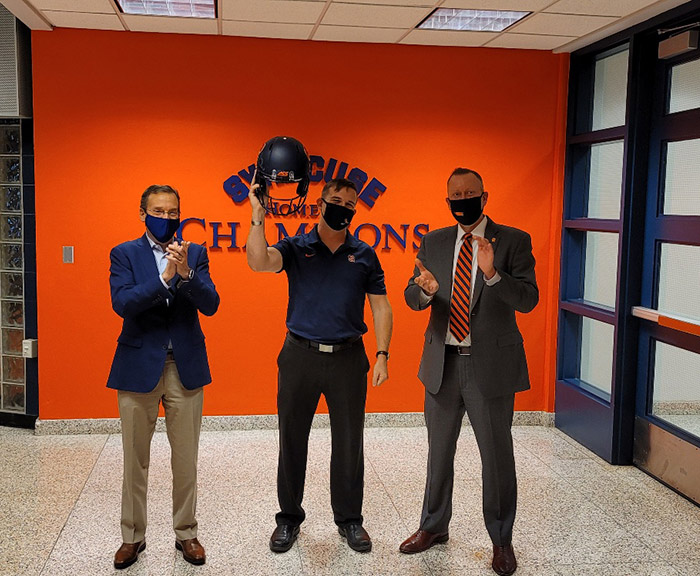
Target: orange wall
115, 112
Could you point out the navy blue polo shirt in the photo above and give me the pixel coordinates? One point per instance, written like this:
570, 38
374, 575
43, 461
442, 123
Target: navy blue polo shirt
327, 290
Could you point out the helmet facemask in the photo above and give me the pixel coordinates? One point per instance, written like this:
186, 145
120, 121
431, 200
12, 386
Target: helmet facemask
282, 160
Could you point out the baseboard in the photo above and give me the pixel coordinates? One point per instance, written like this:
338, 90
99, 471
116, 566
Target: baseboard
265, 422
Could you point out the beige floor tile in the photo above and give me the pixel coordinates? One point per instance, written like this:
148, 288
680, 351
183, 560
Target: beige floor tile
577, 515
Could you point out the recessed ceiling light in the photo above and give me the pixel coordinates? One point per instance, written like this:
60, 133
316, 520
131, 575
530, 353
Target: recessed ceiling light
474, 20
181, 8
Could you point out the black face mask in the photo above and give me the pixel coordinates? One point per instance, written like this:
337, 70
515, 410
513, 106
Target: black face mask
337, 217
467, 210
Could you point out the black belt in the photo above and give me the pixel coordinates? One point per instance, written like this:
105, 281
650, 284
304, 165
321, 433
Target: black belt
459, 350
329, 348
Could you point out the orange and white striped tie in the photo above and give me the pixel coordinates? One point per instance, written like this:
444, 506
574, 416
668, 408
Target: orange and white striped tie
461, 291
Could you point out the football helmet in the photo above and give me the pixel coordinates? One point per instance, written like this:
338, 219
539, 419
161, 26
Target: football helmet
282, 160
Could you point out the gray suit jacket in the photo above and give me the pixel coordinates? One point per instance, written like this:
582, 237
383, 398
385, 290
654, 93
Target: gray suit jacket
498, 355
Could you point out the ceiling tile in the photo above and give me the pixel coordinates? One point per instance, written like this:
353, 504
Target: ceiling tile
448, 38
529, 41
425, 3
267, 30
520, 5
599, 7
94, 6
139, 23
374, 16
27, 14
272, 11
83, 20
561, 24
358, 34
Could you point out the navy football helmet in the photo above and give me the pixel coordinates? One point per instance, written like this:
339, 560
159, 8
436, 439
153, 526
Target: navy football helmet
282, 160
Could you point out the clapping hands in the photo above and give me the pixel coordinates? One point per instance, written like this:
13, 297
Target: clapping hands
176, 255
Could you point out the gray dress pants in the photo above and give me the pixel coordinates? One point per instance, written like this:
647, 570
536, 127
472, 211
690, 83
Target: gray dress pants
491, 419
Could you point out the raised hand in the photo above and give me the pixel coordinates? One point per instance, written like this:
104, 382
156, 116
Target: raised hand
485, 256
426, 280
258, 210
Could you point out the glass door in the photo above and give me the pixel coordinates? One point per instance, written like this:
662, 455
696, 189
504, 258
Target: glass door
589, 391
667, 422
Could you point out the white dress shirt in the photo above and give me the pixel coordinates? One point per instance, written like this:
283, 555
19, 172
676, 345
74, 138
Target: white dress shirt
479, 230
161, 262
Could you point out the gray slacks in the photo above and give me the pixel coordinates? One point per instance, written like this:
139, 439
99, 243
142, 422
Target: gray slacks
491, 419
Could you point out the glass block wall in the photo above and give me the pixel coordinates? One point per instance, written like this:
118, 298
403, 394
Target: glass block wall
15, 160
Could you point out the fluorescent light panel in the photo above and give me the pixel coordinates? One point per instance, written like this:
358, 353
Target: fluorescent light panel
180, 8
473, 20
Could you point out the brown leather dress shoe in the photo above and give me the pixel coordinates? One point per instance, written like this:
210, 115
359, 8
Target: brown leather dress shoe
504, 563
421, 540
192, 551
128, 554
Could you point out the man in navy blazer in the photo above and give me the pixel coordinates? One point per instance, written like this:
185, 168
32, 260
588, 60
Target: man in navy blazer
473, 358
159, 286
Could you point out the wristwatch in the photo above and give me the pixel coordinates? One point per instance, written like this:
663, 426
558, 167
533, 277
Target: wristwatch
182, 280
256, 222
382, 353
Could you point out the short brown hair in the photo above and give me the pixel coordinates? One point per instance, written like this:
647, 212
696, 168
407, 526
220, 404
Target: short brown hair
158, 189
338, 184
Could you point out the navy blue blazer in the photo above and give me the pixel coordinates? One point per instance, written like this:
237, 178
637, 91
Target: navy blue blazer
141, 299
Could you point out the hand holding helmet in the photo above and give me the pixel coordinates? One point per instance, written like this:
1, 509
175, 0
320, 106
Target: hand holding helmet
258, 213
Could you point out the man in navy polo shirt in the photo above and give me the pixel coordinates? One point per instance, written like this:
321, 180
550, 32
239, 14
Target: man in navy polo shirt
329, 273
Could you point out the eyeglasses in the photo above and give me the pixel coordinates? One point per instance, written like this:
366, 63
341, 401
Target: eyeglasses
160, 213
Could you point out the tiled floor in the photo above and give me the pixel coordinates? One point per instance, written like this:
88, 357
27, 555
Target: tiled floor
59, 505
688, 422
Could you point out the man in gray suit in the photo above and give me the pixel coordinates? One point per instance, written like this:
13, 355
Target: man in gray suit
473, 276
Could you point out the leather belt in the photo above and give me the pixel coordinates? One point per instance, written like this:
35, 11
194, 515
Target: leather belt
459, 350
328, 348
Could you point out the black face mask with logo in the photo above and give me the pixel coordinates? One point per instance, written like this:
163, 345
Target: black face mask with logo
467, 210
337, 217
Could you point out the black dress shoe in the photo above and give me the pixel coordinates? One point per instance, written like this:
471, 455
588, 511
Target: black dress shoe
128, 554
357, 537
504, 563
283, 537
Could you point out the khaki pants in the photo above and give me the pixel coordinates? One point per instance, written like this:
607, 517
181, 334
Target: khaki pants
183, 419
